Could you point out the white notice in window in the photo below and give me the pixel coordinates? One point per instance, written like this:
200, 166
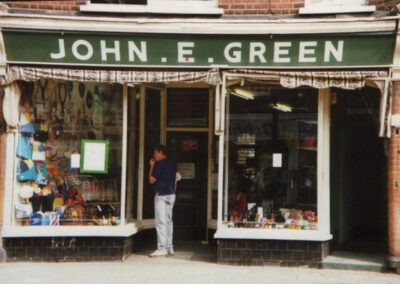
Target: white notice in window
94, 156
277, 160
75, 161
187, 170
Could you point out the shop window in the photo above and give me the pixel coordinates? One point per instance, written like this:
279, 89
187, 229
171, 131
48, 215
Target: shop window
187, 107
271, 177
69, 154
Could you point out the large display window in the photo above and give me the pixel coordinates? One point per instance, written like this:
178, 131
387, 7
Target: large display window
271, 150
69, 154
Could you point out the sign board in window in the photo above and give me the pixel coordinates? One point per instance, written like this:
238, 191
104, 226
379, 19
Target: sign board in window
94, 156
187, 170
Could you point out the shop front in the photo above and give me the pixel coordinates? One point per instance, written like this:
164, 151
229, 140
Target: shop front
245, 117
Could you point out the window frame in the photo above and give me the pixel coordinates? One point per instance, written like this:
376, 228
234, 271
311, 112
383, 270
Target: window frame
10, 229
338, 7
323, 178
192, 7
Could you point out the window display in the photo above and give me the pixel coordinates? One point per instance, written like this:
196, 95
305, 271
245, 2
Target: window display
271, 143
57, 120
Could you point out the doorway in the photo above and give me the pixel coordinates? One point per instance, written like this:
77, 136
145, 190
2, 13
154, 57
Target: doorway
180, 118
359, 177
188, 150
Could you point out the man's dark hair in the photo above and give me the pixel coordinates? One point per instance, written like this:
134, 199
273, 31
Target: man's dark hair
162, 149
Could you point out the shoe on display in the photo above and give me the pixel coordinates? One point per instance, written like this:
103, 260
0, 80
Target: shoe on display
158, 253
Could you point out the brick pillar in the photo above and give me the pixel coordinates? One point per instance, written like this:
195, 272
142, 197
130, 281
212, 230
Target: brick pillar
394, 186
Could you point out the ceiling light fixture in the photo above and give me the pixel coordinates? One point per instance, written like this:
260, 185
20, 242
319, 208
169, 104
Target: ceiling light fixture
282, 107
243, 93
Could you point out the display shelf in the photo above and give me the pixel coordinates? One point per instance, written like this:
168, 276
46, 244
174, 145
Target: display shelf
307, 148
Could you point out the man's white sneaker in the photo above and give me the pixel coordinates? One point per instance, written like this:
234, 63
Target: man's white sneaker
171, 252
158, 253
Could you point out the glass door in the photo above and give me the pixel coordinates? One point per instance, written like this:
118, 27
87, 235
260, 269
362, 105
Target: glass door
188, 150
187, 139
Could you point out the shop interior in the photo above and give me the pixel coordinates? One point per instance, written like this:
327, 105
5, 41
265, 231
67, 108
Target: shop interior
272, 162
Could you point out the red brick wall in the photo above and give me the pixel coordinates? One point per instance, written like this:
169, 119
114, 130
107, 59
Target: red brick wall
394, 180
384, 4
260, 7
231, 7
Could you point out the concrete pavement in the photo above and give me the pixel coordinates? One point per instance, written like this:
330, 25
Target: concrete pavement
182, 268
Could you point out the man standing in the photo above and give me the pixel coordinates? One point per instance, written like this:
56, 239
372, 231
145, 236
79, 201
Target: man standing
162, 176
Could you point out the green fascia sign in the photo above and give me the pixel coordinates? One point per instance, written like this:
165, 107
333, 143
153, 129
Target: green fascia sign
197, 50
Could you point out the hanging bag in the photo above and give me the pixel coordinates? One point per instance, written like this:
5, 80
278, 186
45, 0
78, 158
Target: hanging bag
26, 125
26, 170
41, 130
42, 174
24, 148
38, 152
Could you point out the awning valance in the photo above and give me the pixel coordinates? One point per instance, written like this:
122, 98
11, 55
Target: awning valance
15, 73
315, 79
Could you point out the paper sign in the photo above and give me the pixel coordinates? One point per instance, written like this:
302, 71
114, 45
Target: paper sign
277, 160
94, 156
190, 144
75, 161
187, 170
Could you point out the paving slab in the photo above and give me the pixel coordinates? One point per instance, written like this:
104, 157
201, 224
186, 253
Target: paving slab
185, 267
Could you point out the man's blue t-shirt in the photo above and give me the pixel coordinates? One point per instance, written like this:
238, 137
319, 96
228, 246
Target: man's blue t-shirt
164, 171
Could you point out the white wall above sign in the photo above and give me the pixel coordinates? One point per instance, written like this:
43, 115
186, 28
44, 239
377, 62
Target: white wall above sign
336, 7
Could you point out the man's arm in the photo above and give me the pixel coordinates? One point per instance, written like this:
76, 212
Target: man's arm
152, 180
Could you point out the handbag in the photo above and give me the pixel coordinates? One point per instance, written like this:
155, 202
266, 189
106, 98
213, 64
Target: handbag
24, 147
73, 215
26, 170
38, 152
42, 177
36, 219
41, 130
26, 125
51, 219
23, 210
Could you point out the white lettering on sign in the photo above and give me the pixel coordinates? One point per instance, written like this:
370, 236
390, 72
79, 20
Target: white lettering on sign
336, 52
258, 52
113, 50
134, 50
305, 48
183, 52
79, 56
257, 49
279, 51
236, 55
61, 50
